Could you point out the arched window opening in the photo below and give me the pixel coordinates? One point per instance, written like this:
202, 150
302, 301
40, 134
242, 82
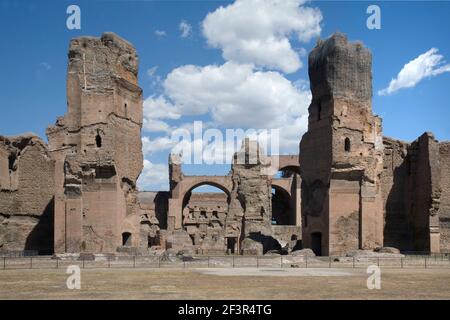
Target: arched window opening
347, 145
126, 239
11, 161
98, 140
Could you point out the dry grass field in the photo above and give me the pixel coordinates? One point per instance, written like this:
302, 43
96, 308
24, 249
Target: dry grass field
226, 283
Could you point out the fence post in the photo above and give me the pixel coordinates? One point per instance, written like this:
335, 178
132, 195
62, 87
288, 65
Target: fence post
57, 263
306, 261
401, 262
233, 261
425, 262
31, 262
4, 263
353, 262
208, 261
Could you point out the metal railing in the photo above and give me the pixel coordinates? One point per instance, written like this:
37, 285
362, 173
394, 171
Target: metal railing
229, 261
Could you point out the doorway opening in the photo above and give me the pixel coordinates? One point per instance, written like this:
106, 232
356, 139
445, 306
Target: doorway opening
126, 239
231, 245
316, 243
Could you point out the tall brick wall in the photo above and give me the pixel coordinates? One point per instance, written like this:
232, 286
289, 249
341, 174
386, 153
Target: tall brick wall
416, 194
97, 147
395, 180
341, 154
444, 208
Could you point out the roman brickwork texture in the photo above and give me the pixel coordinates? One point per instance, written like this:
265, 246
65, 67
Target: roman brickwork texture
349, 188
341, 154
97, 148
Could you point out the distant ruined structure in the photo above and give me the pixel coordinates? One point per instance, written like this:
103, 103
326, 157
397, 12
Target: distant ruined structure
349, 188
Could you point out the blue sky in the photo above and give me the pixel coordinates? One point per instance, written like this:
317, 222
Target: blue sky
35, 39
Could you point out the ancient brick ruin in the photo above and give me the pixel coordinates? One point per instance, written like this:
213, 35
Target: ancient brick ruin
350, 188
360, 189
342, 152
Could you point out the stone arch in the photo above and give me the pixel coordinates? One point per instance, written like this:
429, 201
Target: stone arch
286, 163
184, 186
202, 217
291, 168
188, 189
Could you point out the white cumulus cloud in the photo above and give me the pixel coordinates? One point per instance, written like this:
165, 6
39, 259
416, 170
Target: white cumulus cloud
155, 110
427, 65
247, 91
258, 31
150, 146
154, 176
236, 95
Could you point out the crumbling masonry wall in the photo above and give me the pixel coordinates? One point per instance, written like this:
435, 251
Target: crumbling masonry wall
396, 185
416, 193
153, 220
26, 195
341, 153
251, 197
426, 193
97, 148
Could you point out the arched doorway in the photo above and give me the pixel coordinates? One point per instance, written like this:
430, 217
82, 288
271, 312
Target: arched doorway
282, 213
126, 239
204, 213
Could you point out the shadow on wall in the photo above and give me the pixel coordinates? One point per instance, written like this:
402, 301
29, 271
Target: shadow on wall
41, 237
398, 231
268, 242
